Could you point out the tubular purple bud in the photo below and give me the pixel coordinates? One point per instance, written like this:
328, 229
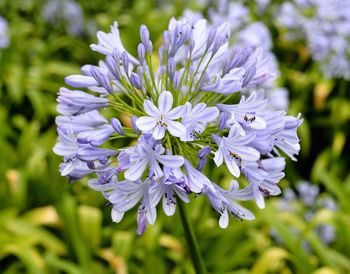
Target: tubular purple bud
191, 44
171, 67
149, 47
166, 38
211, 37
140, 71
116, 57
162, 70
204, 152
222, 121
135, 80
217, 44
79, 81
133, 124
125, 61
101, 79
161, 52
117, 126
112, 66
141, 53
86, 70
201, 164
144, 34
94, 153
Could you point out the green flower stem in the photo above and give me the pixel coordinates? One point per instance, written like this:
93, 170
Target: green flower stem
196, 256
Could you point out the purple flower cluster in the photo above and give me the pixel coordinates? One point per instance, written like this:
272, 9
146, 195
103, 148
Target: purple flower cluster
67, 13
249, 33
148, 134
4, 36
325, 25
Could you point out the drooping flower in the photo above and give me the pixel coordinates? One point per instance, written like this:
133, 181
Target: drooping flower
150, 152
233, 149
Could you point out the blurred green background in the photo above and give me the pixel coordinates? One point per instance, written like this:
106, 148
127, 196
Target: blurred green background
50, 226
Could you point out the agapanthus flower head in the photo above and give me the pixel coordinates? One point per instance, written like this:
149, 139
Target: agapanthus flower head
308, 196
248, 34
67, 13
177, 118
325, 25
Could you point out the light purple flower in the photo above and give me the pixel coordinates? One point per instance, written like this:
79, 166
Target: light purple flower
197, 180
80, 123
150, 153
263, 177
229, 83
109, 42
234, 148
72, 102
167, 189
223, 201
195, 119
248, 112
161, 118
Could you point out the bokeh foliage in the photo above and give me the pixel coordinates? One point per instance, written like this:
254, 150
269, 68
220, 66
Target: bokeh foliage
50, 226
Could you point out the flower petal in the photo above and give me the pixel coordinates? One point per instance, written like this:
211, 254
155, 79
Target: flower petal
116, 215
218, 158
175, 113
151, 109
146, 123
136, 170
207, 115
223, 221
247, 153
169, 201
80, 81
165, 102
232, 166
158, 132
176, 128
171, 160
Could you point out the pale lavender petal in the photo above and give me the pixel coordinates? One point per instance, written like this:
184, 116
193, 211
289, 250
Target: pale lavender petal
136, 170
151, 109
175, 113
176, 128
169, 202
141, 220
218, 158
165, 102
116, 215
158, 132
146, 123
247, 153
208, 115
224, 219
173, 161
80, 81
232, 166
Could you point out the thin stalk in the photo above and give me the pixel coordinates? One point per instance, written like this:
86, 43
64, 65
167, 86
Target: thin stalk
196, 257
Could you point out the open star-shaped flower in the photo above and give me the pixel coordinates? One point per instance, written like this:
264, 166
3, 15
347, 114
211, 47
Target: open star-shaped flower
161, 118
